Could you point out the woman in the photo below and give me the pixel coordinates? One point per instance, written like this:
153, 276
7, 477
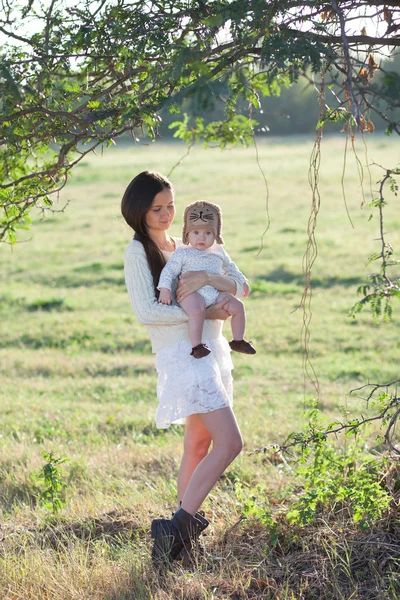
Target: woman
200, 396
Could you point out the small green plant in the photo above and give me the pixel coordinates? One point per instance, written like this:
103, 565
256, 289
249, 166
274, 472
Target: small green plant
255, 504
51, 477
339, 478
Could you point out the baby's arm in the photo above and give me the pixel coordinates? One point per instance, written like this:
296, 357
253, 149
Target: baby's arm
165, 296
230, 269
171, 270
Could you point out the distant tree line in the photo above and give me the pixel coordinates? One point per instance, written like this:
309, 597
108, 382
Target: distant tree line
295, 110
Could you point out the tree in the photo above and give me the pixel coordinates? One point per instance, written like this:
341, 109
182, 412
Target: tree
76, 76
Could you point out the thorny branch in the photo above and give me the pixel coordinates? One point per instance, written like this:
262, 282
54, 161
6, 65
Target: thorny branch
384, 288
388, 414
353, 40
383, 242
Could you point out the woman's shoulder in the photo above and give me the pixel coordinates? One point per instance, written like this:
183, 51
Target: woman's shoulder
135, 248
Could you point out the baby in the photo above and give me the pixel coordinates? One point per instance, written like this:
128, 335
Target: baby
202, 227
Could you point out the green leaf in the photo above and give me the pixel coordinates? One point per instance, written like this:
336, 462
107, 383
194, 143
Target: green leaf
373, 257
13, 87
11, 235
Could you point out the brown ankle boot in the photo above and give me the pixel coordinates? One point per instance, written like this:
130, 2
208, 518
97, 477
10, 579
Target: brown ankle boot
192, 551
242, 346
200, 351
172, 535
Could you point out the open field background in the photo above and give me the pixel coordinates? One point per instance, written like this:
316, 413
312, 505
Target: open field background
77, 375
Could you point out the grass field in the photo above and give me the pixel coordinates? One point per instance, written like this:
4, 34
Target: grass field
77, 374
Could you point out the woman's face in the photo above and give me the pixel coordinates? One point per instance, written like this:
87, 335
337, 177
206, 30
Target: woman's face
162, 211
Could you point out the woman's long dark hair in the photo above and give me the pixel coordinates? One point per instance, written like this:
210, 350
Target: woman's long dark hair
136, 202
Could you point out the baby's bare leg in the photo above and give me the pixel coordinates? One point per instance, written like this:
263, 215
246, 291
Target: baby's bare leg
235, 308
194, 306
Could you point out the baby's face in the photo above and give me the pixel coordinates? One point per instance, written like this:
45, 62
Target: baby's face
201, 239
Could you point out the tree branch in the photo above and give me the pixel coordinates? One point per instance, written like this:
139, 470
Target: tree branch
349, 83
364, 40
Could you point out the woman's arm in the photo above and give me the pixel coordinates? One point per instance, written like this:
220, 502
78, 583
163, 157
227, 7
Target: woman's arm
139, 283
222, 283
194, 280
216, 312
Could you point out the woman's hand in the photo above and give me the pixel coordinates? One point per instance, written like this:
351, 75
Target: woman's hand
189, 283
246, 290
216, 312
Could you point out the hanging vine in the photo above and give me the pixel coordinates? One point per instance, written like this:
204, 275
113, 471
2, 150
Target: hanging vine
311, 252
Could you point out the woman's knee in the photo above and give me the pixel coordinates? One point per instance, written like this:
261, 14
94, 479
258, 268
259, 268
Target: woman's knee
236, 445
225, 433
230, 448
197, 446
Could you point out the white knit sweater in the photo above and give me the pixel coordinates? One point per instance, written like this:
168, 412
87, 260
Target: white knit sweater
166, 325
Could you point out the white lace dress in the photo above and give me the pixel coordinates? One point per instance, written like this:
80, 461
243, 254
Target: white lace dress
187, 385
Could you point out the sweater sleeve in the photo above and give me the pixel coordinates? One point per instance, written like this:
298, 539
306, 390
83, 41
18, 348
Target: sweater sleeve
139, 283
171, 270
230, 269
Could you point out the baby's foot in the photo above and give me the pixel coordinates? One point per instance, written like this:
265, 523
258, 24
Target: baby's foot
200, 351
242, 346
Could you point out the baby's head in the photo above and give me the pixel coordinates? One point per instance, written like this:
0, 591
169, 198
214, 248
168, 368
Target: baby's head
202, 225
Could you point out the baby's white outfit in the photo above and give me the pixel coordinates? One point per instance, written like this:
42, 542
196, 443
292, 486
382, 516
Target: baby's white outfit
185, 385
213, 260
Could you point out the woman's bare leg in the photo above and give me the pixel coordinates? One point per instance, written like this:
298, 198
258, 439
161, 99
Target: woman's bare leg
227, 444
235, 308
194, 306
196, 444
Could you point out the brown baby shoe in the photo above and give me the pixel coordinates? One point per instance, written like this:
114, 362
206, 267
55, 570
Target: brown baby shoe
200, 350
242, 346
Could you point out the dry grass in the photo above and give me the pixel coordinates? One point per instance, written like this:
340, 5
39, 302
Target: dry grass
107, 558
